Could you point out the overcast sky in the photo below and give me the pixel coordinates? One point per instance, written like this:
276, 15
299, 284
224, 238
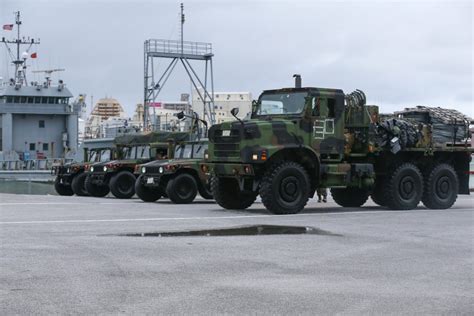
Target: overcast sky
401, 53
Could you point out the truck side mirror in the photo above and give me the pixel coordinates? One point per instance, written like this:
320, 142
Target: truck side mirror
234, 111
180, 115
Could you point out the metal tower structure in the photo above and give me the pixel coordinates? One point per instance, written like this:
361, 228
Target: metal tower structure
178, 52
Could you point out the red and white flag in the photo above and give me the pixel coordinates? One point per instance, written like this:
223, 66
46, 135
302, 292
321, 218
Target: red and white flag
34, 55
8, 27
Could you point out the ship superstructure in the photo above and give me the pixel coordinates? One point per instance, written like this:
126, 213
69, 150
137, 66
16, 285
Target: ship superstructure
37, 120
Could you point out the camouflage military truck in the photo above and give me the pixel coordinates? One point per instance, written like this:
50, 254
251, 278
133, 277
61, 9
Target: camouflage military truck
70, 177
117, 176
301, 139
180, 178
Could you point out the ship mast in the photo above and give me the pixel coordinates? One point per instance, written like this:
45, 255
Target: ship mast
19, 61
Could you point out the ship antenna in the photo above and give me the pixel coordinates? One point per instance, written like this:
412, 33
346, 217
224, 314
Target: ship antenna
182, 25
20, 61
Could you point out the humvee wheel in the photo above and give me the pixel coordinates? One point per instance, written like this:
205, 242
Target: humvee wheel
285, 188
122, 185
182, 189
62, 189
377, 193
227, 194
95, 189
404, 187
147, 194
350, 197
78, 184
205, 190
441, 187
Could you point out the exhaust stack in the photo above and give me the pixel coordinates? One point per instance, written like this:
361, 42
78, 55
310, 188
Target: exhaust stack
297, 80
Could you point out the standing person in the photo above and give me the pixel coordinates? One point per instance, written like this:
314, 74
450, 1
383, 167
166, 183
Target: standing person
322, 195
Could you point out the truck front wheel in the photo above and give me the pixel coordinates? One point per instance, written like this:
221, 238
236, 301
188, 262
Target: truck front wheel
350, 197
441, 187
404, 187
227, 194
285, 188
122, 185
62, 189
182, 189
96, 189
78, 184
147, 194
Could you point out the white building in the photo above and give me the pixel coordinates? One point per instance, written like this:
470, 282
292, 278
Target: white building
224, 102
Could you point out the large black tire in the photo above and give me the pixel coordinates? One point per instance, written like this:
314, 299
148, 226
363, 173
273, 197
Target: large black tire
404, 187
377, 194
122, 185
227, 194
441, 187
182, 189
95, 189
350, 197
62, 189
205, 190
285, 188
78, 184
147, 194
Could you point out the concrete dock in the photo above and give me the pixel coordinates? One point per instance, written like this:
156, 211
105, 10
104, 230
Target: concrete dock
66, 255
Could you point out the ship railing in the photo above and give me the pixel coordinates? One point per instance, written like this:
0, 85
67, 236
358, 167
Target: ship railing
172, 47
33, 164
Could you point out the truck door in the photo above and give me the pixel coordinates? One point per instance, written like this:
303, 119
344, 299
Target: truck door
328, 134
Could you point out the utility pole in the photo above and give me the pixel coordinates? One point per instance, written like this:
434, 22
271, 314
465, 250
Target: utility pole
182, 28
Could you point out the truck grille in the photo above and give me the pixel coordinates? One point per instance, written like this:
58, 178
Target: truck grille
227, 146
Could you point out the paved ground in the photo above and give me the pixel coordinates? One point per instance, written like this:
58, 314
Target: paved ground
62, 255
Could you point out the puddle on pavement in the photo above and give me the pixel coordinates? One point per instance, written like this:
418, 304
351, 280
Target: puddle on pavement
253, 230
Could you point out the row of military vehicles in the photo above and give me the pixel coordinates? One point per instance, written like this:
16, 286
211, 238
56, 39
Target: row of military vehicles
296, 141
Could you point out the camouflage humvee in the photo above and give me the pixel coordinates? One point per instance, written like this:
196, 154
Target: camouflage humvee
180, 178
298, 140
117, 176
70, 177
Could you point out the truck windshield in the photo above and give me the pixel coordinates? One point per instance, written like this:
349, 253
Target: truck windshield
92, 156
143, 151
184, 151
104, 155
281, 103
199, 150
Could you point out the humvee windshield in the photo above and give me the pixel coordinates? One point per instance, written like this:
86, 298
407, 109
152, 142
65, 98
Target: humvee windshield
188, 151
97, 155
281, 103
136, 152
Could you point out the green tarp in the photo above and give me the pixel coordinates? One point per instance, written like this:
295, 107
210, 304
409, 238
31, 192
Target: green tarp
150, 137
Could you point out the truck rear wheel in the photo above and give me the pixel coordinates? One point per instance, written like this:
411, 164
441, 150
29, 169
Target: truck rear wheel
227, 194
441, 187
404, 187
147, 194
285, 188
95, 189
62, 189
122, 185
78, 184
350, 197
182, 189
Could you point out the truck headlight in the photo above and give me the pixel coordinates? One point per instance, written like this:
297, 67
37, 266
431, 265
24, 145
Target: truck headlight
160, 170
68, 170
254, 157
206, 156
92, 169
105, 169
143, 169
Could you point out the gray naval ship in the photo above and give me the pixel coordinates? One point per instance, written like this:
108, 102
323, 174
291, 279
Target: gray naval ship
38, 123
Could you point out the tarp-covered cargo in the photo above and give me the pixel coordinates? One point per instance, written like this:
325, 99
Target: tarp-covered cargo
150, 137
447, 125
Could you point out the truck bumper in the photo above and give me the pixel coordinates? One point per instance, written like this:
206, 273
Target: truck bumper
154, 180
228, 169
99, 178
